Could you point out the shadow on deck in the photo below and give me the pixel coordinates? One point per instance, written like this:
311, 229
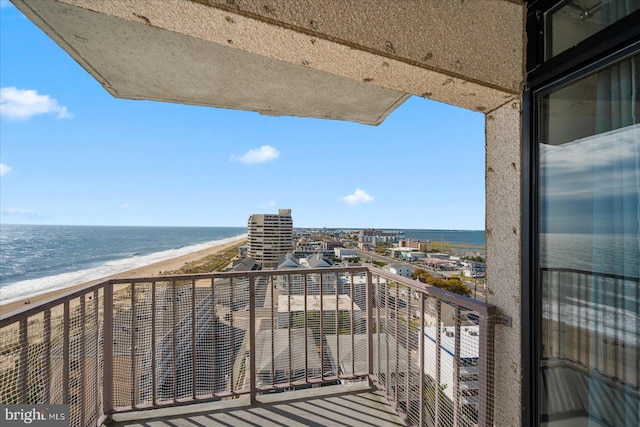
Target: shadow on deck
351, 405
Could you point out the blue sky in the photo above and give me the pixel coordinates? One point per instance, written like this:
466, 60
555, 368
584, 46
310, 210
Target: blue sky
70, 153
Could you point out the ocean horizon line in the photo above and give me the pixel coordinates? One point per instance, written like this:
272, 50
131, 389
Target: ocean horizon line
244, 226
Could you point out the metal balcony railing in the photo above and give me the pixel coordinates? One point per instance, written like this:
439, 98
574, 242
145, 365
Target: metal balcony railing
132, 344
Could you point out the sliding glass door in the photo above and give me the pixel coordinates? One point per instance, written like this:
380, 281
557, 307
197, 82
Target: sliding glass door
588, 248
582, 140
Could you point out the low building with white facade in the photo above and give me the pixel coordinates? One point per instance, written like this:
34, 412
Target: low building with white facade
473, 269
344, 253
399, 269
466, 360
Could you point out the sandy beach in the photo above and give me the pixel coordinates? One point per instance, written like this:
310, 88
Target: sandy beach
145, 271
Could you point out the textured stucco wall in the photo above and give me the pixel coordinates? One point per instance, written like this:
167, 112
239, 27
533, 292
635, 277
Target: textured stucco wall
503, 232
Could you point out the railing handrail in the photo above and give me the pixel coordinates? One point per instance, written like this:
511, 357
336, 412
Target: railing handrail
483, 308
38, 307
450, 297
34, 308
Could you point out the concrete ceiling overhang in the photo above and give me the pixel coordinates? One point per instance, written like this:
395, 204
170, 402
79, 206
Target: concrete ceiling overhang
139, 61
350, 60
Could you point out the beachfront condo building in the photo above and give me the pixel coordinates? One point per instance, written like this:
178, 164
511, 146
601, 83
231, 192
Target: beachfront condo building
270, 236
558, 84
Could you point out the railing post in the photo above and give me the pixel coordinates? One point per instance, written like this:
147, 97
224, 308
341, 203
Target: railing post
289, 328
306, 340
24, 361
337, 325
353, 356
396, 350
322, 332
485, 369
231, 384
153, 344
437, 403
369, 305
408, 347
47, 356
456, 367
107, 348
97, 381
194, 374
66, 354
83, 358
422, 356
252, 338
174, 336
132, 350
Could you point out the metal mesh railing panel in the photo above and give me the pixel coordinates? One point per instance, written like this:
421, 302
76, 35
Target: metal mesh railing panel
36, 376
94, 353
57, 357
239, 335
11, 347
266, 319
122, 361
183, 340
54, 356
10, 363
415, 375
468, 359
428, 356
141, 346
225, 337
162, 350
204, 328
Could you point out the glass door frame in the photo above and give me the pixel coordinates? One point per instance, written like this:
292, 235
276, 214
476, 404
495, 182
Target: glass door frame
614, 43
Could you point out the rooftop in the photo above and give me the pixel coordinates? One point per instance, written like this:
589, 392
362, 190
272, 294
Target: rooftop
316, 303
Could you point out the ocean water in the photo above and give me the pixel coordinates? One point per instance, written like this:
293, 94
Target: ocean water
597, 302
601, 253
41, 258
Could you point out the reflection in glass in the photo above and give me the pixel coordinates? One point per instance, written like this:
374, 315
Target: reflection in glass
589, 250
575, 20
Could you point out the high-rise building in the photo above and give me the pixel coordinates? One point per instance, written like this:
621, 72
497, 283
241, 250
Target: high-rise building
270, 236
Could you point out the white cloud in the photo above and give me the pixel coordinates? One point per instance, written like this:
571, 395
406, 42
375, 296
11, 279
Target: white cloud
22, 104
359, 196
254, 156
4, 169
21, 212
125, 205
269, 204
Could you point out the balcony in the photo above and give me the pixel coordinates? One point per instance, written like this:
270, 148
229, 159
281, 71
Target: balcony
342, 345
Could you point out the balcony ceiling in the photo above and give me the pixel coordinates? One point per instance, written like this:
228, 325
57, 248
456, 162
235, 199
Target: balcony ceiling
351, 60
135, 60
